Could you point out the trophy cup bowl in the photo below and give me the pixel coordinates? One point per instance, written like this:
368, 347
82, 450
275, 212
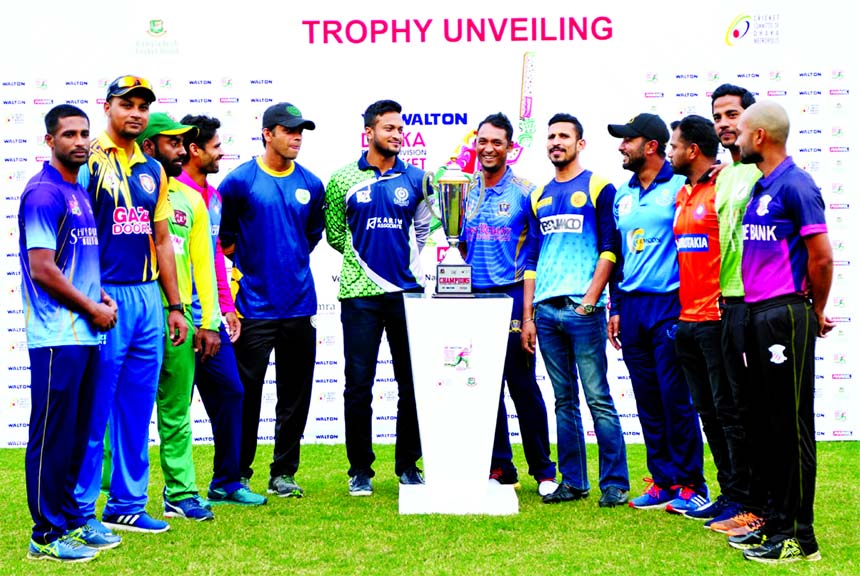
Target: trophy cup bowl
452, 189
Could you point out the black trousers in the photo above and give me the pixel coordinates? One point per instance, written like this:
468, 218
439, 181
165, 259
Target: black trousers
294, 342
781, 354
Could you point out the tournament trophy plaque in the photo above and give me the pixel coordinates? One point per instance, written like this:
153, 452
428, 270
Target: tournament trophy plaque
452, 189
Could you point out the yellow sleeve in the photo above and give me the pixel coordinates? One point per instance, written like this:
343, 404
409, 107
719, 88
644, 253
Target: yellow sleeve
162, 205
203, 262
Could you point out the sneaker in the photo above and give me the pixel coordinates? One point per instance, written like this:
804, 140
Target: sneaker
190, 508
613, 496
784, 551
89, 536
741, 523
241, 496
749, 540
63, 549
285, 486
653, 497
547, 486
141, 522
565, 493
412, 477
722, 506
359, 485
504, 476
688, 499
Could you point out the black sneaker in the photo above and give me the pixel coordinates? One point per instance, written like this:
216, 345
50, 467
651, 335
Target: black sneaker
565, 493
359, 485
504, 476
613, 496
412, 477
285, 486
788, 550
749, 540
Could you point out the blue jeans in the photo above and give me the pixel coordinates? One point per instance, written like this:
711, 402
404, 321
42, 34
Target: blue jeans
570, 341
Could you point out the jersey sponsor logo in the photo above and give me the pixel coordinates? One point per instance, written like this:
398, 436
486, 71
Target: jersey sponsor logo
561, 223
625, 205
692, 242
763, 203
578, 199
485, 232
363, 196
401, 196
760, 232
180, 218
384, 222
134, 220
74, 207
303, 196
87, 236
636, 240
178, 244
777, 354
147, 183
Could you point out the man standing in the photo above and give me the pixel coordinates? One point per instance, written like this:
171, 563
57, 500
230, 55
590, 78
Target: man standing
217, 378
644, 312
497, 245
190, 236
734, 184
787, 269
129, 196
565, 306
272, 220
64, 309
693, 152
377, 218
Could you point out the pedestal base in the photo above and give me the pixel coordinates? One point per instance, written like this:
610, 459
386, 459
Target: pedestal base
496, 499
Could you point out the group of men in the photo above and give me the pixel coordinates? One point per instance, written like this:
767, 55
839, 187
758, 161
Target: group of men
122, 251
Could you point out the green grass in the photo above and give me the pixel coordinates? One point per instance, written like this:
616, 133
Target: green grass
327, 532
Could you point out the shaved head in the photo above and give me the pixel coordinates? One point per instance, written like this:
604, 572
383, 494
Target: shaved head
770, 117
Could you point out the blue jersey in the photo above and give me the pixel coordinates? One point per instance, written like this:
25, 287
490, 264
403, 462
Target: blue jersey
497, 237
644, 219
56, 215
577, 228
127, 195
274, 219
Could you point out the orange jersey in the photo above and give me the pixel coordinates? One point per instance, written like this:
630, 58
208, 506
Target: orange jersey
697, 238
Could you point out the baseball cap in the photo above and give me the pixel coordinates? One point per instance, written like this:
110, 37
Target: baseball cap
161, 123
650, 126
286, 115
127, 84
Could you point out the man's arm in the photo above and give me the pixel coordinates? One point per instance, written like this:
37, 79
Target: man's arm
607, 245
316, 219
230, 209
49, 277
820, 270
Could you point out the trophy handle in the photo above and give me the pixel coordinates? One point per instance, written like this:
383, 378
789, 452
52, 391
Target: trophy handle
426, 181
475, 184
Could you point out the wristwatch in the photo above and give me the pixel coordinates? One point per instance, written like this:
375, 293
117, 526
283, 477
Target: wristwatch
587, 308
176, 308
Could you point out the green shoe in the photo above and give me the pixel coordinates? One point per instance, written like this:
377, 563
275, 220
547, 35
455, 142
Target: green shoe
241, 496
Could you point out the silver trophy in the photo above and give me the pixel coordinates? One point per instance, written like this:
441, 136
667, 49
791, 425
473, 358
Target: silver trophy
452, 189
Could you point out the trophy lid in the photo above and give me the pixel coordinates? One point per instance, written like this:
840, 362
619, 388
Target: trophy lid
453, 174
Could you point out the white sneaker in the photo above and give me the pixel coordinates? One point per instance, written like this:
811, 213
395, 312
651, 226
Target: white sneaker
547, 487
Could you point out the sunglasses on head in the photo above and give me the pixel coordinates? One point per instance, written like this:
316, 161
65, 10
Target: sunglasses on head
127, 82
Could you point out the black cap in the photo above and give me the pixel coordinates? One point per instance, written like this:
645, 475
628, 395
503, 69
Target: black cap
286, 115
650, 126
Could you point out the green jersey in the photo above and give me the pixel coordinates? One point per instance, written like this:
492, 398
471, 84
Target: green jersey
734, 185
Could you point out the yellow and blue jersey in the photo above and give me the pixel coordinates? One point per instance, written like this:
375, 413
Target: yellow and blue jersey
55, 215
128, 195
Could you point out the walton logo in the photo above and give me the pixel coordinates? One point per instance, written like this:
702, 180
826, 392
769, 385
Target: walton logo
156, 28
738, 29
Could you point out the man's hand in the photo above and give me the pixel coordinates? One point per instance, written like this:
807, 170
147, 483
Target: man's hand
234, 326
177, 327
825, 325
528, 336
207, 342
103, 314
613, 331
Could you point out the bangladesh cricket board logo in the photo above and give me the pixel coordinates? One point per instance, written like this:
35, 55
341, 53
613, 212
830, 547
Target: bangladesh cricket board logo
156, 28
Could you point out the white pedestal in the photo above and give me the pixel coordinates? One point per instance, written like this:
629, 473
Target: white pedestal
458, 350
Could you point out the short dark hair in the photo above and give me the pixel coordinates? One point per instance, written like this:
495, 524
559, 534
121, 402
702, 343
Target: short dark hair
501, 121
52, 118
207, 126
700, 131
747, 97
564, 117
379, 108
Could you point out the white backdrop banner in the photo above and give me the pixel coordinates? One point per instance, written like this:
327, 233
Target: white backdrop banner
449, 64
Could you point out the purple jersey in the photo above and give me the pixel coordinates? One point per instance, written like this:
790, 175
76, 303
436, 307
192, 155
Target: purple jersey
786, 206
